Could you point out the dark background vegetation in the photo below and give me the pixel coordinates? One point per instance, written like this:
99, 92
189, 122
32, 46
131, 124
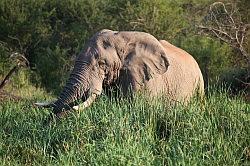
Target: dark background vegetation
50, 33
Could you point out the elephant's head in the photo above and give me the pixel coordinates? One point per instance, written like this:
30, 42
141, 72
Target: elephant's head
132, 58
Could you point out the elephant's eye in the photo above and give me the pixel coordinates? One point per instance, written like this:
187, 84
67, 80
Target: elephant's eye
101, 63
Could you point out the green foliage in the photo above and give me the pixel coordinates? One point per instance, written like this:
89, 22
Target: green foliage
163, 19
236, 79
214, 132
4, 61
51, 33
18, 79
53, 65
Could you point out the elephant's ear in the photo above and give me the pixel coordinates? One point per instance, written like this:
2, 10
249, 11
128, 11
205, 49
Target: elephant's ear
145, 61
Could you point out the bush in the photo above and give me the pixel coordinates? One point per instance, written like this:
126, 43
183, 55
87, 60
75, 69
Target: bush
236, 79
51, 33
4, 61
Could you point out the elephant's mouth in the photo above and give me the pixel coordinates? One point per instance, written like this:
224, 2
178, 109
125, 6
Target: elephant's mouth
60, 105
85, 95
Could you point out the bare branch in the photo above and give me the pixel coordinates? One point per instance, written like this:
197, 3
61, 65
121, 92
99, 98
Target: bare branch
7, 77
20, 59
224, 22
21, 62
245, 83
19, 42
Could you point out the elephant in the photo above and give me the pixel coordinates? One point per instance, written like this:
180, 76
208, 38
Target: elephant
133, 61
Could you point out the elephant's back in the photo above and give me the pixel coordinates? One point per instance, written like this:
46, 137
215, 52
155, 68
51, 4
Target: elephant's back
177, 53
184, 75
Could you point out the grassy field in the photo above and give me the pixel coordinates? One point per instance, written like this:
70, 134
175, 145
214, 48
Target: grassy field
214, 132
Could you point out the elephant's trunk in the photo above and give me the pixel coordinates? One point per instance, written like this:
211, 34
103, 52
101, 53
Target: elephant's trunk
76, 87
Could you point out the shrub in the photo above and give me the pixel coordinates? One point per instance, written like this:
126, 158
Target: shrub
51, 33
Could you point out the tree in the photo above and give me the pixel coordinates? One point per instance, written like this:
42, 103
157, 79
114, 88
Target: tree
224, 22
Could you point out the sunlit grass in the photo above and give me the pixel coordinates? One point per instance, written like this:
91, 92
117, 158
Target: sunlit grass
212, 132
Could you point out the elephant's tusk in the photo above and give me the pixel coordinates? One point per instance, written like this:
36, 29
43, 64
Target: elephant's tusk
86, 103
43, 104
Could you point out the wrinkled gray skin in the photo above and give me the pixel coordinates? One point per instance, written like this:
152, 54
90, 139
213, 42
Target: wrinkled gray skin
135, 60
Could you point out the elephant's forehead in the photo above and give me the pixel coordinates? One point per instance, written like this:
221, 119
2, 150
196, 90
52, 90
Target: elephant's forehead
88, 53
105, 40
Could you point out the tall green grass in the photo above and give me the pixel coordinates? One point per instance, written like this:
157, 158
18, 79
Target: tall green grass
211, 132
